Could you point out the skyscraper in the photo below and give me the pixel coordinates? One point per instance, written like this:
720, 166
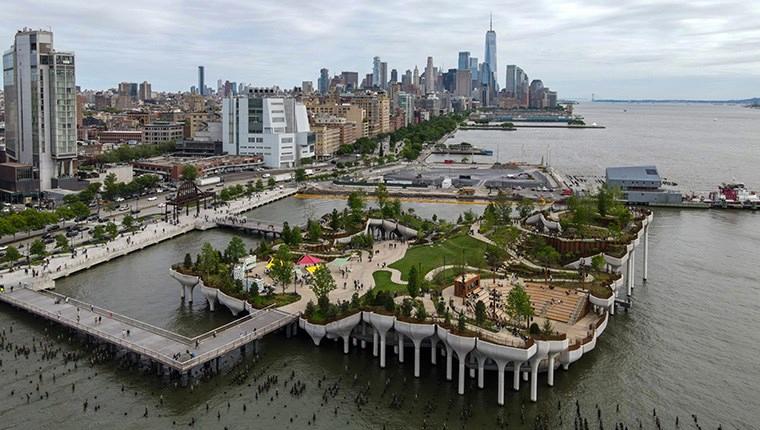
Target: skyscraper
464, 60
40, 103
201, 81
383, 81
145, 91
511, 83
474, 68
490, 54
351, 80
394, 76
416, 77
376, 72
323, 83
429, 76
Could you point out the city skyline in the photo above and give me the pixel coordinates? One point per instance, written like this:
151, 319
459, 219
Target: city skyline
686, 51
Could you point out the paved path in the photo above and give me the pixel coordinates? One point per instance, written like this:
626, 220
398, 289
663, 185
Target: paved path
176, 351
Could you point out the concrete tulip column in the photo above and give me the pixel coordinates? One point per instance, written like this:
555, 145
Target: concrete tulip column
516, 379
382, 324
462, 346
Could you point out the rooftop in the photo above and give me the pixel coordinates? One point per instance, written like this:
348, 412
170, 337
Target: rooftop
633, 173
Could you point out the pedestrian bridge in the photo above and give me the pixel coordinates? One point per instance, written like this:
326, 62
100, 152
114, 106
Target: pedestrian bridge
179, 353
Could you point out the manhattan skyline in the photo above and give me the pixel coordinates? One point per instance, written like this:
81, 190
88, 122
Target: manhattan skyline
660, 49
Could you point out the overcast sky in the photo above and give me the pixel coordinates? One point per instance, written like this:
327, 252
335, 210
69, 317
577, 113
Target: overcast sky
613, 48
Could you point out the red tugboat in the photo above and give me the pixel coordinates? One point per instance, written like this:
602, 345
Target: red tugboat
735, 195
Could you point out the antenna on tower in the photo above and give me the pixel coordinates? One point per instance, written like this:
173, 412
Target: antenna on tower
491, 22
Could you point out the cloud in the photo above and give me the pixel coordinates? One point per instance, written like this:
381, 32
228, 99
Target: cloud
287, 41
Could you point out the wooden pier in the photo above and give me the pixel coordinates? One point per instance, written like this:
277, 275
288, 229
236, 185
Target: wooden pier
178, 353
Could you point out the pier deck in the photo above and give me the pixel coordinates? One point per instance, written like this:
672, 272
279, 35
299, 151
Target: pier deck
162, 346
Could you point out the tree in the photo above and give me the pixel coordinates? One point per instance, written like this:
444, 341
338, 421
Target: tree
99, 233
259, 187
518, 304
495, 256
286, 233
461, 322
356, 204
314, 230
582, 209
335, 220
296, 237
598, 263
480, 312
322, 282
419, 310
406, 308
525, 207
547, 329
271, 182
79, 210
188, 263
300, 175
235, 249
413, 283
62, 243
112, 230
128, 222
381, 192
110, 186
208, 260
189, 172
38, 248
11, 254
282, 267
547, 255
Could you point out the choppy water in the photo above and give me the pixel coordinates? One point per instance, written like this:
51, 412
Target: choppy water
689, 345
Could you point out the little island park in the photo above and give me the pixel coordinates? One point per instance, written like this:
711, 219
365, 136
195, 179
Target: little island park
524, 287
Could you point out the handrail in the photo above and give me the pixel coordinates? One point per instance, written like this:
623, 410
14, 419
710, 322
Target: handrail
123, 318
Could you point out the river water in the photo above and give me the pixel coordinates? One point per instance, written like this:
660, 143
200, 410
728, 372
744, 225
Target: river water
688, 346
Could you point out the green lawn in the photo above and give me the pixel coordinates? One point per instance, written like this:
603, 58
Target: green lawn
452, 251
383, 283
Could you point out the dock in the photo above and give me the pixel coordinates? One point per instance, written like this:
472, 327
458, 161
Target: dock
181, 354
254, 226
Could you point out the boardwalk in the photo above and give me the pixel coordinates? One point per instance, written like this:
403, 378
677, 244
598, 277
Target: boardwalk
253, 226
179, 353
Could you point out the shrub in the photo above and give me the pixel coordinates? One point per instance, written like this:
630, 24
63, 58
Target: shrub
534, 329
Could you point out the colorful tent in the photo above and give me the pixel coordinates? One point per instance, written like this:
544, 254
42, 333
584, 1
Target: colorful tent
308, 260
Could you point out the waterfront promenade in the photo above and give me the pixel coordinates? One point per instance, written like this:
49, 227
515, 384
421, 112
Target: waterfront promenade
26, 288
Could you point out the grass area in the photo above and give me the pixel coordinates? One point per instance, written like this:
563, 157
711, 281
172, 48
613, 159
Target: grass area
383, 283
504, 234
278, 299
452, 251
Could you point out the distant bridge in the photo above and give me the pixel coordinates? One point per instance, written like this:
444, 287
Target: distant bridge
254, 226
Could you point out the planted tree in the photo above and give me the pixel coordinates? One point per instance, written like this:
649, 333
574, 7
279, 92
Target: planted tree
11, 254
62, 242
112, 230
413, 282
322, 282
38, 248
282, 267
518, 304
128, 222
235, 249
480, 313
189, 172
314, 230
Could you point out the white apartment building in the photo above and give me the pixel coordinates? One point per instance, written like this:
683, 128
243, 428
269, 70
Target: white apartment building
264, 123
40, 103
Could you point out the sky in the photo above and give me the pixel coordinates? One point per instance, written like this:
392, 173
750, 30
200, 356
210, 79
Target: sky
690, 49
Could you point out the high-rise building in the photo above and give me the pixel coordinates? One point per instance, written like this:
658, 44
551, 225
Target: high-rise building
429, 76
394, 76
264, 122
522, 83
376, 72
323, 83
463, 86
145, 91
384, 75
40, 110
490, 52
201, 81
351, 80
474, 68
406, 104
416, 77
406, 79
307, 87
511, 83
450, 80
536, 100
464, 60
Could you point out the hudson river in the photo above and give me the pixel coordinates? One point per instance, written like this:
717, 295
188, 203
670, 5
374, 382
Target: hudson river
689, 345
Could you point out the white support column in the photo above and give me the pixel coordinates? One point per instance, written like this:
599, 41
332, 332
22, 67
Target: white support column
633, 268
461, 373
516, 371
534, 380
400, 347
628, 273
434, 350
382, 350
417, 357
481, 371
646, 252
449, 351
500, 365
375, 346
346, 342
551, 370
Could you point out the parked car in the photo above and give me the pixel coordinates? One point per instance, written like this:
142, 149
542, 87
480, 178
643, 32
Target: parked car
119, 199
152, 199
